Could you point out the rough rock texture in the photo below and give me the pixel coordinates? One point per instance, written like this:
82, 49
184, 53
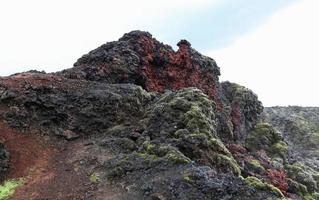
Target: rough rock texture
244, 107
64, 106
157, 124
140, 59
299, 126
4, 161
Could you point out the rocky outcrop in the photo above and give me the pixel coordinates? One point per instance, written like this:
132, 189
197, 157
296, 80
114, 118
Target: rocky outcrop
140, 59
299, 126
158, 124
244, 109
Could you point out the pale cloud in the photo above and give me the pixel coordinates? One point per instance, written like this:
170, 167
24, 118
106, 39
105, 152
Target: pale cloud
279, 61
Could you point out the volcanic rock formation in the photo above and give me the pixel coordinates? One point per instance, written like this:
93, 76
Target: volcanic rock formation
142, 121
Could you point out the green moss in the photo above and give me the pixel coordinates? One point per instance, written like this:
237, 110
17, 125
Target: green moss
8, 188
94, 178
302, 174
187, 178
280, 148
147, 156
228, 163
258, 184
168, 152
255, 166
148, 147
218, 146
255, 182
196, 121
295, 168
313, 196
298, 188
176, 157
264, 137
179, 104
309, 197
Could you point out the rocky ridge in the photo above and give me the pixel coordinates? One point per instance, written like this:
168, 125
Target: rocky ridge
158, 124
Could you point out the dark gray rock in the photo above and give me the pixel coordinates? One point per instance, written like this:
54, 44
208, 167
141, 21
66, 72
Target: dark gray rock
4, 161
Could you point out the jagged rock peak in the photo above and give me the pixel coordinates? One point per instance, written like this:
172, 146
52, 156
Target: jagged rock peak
140, 59
184, 43
135, 35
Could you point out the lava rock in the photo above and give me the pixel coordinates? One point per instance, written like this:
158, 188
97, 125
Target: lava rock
4, 161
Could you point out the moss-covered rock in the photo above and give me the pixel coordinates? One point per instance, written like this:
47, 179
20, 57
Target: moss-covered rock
254, 166
258, 184
8, 188
227, 164
244, 110
264, 137
280, 148
296, 188
185, 120
94, 177
313, 196
302, 174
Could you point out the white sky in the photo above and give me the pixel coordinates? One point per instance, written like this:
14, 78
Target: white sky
51, 34
278, 60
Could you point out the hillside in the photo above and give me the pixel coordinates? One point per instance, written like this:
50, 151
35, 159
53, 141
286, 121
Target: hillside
134, 119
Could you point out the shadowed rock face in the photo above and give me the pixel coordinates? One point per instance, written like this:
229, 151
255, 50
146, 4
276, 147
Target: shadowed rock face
156, 122
4, 161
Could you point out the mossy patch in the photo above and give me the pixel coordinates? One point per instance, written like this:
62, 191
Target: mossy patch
147, 156
196, 121
8, 188
255, 166
296, 187
264, 137
311, 197
302, 174
170, 153
258, 184
94, 177
176, 157
228, 163
187, 178
280, 148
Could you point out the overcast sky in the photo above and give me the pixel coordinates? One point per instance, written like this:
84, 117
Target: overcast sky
270, 46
